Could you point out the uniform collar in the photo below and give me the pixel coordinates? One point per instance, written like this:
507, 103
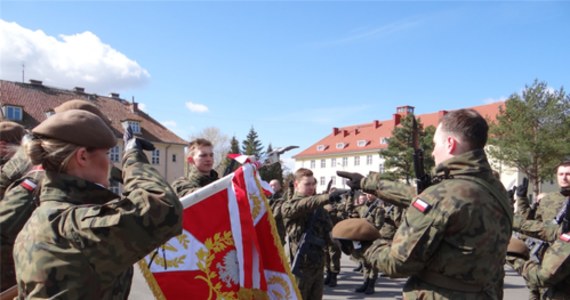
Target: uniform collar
67, 188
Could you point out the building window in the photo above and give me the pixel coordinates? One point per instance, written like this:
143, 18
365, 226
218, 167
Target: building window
361, 143
322, 180
321, 148
345, 161
114, 154
383, 141
357, 160
340, 145
13, 113
173, 157
156, 157
50, 113
312, 164
333, 162
381, 168
323, 163
115, 187
368, 160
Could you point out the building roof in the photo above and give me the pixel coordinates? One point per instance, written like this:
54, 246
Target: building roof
37, 100
368, 137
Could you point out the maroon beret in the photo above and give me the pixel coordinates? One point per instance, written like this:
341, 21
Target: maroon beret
11, 132
78, 127
357, 229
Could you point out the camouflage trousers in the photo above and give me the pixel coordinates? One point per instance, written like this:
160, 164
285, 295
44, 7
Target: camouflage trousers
369, 270
7, 269
311, 284
332, 259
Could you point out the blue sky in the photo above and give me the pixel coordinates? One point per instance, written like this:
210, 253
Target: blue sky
291, 69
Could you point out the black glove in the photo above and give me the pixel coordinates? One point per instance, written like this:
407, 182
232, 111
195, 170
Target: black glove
522, 189
511, 193
132, 142
353, 179
335, 195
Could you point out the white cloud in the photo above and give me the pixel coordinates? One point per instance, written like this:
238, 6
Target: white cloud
493, 100
66, 61
169, 124
142, 106
196, 107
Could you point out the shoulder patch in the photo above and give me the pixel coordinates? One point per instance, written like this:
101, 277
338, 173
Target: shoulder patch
421, 205
565, 237
28, 185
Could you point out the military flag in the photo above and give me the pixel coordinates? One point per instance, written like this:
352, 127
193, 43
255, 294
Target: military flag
229, 248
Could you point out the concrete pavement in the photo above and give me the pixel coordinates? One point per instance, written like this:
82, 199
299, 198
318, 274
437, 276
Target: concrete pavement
386, 288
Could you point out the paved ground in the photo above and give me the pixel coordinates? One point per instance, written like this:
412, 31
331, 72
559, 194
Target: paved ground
386, 288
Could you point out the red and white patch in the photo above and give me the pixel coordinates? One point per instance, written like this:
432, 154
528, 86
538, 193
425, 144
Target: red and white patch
421, 205
29, 185
565, 237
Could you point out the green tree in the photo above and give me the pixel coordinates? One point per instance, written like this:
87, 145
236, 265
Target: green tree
273, 171
226, 166
251, 145
398, 156
531, 132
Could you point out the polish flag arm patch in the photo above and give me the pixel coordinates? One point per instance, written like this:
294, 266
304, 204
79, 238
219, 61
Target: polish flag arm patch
565, 237
421, 205
28, 185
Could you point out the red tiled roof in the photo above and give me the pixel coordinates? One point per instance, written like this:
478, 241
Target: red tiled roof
372, 133
37, 99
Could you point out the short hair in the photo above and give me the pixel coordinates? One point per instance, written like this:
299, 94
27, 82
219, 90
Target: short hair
564, 163
199, 142
302, 172
468, 125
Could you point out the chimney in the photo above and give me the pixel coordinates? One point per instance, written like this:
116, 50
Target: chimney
36, 82
396, 118
114, 95
376, 124
78, 89
134, 106
336, 130
345, 132
356, 131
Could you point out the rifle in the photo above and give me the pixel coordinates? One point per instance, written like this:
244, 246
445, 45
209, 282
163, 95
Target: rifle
423, 180
307, 239
372, 207
537, 248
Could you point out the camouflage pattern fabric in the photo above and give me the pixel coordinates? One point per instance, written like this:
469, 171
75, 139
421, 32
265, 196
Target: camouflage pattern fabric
13, 169
333, 254
549, 206
20, 200
195, 180
82, 241
296, 213
546, 231
552, 273
395, 193
392, 219
275, 202
453, 238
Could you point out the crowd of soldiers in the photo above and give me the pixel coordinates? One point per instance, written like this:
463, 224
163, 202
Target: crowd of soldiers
60, 222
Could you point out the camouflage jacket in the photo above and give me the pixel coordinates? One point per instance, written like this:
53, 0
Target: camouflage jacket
552, 273
453, 239
82, 241
195, 180
13, 169
546, 231
296, 214
373, 213
275, 202
549, 206
392, 219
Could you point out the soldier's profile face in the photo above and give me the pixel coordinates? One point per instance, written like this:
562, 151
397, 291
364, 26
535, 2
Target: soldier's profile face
438, 152
203, 159
563, 176
306, 186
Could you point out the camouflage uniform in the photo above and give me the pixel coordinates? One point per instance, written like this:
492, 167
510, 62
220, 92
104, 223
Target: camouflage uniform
297, 212
549, 206
333, 254
392, 218
195, 180
13, 169
453, 239
275, 202
373, 212
20, 200
82, 241
552, 273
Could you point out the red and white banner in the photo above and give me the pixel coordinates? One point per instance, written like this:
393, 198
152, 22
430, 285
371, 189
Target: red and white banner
229, 248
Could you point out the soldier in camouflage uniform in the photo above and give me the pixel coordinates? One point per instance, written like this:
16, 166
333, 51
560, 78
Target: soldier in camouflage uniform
452, 240
303, 213
275, 202
551, 204
201, 163
337, 212
11, 134
82, 241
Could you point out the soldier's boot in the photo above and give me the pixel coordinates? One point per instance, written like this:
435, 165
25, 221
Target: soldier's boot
358, 269
332, 282
534, 294
363, 287
328, 278
370, 288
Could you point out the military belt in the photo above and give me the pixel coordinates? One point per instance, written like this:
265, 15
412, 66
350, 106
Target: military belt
449, 283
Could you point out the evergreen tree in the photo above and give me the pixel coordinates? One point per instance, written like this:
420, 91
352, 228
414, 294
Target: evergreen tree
227, 166
398, 156
531, 132
273, 171
251, 145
